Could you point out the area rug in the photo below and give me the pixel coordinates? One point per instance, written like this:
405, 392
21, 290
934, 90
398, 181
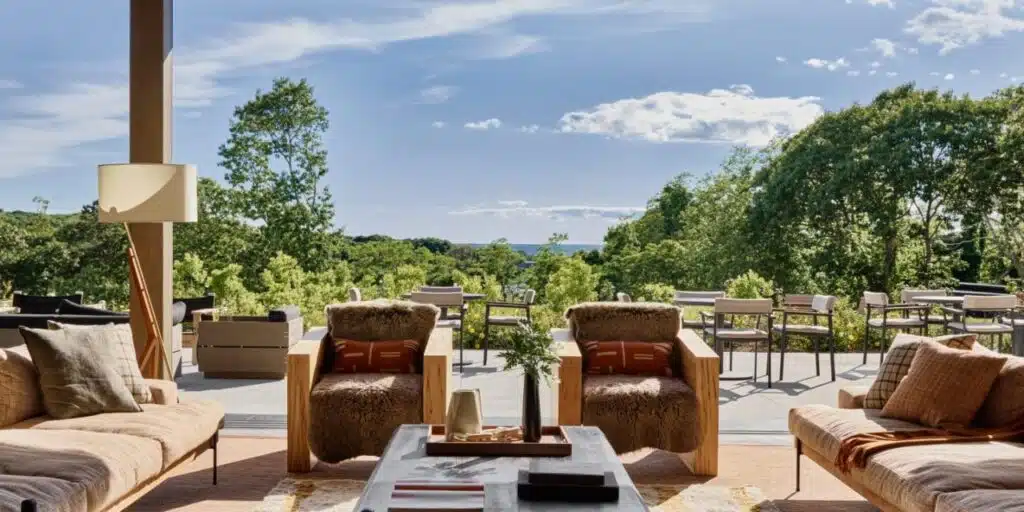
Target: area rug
334, 495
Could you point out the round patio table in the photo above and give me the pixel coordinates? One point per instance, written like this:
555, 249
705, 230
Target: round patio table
954, 300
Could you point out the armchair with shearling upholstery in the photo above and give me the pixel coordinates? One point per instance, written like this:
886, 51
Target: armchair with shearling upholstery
677, 413
337, 416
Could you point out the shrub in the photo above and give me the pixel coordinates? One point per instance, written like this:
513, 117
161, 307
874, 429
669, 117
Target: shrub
749, 286
574, 282
656, 292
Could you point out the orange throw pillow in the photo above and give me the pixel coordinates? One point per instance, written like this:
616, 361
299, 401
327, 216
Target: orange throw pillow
628, 358
376, 356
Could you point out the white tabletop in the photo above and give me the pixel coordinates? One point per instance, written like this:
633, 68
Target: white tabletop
938, 299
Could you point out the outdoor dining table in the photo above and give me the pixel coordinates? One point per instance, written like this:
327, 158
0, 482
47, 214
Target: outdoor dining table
468, 297
946, 300
695, 301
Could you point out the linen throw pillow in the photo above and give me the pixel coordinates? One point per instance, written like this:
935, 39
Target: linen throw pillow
398, 356
897, 362
945, 386
127, 363
628, 358
1005, 402
77, 372
20, 398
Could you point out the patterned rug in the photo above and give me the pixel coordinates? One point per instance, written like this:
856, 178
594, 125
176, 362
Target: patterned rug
332, 495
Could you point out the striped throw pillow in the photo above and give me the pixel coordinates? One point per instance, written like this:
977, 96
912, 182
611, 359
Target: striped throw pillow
628, 358
399, 356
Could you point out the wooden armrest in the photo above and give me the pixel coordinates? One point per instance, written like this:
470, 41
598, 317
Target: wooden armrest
303, 365
801, 311
437, 375
568, 385
517, 305
700, 371
904, 307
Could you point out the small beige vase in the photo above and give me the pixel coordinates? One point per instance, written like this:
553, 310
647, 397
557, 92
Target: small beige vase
464, 413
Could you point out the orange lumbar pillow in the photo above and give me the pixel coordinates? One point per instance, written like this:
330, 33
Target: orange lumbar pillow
398, 356
628, 358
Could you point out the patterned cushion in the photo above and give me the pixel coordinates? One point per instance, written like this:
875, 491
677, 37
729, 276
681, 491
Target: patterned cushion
628, 358
20, 396
127, 363
945, 386
1005, 402
376, 356
77, 372
897, 363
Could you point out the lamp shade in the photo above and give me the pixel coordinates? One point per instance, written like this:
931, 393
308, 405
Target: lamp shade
148, 193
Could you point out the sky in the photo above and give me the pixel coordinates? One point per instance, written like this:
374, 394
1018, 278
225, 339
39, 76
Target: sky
474, 120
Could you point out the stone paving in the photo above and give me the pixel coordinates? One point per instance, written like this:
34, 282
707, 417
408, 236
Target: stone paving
750, 413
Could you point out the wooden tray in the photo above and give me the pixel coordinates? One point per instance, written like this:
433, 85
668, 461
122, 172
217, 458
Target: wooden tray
553, 443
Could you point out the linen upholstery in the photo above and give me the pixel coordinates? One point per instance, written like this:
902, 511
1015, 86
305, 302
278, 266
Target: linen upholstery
897, 363
1005, 401
1001, 500
354, 414
20, 395
50, 494
636, 412
177, 429
852, 397
944, 386
165, 392
823, 428
617, 321
126, 362
107, 465
77, 372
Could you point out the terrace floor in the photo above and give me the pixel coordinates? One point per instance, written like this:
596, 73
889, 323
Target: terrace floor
749, 413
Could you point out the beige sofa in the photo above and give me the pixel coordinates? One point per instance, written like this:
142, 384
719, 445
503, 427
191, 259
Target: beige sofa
97, 463
966, 477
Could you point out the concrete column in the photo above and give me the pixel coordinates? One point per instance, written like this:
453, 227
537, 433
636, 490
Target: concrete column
150, 91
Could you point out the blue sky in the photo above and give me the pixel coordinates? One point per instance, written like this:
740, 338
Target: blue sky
472, 119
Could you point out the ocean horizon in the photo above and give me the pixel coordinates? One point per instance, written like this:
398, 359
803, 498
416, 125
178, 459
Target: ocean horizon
531, 249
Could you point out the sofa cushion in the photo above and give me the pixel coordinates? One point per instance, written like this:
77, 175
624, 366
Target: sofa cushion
897, 363
984, 500
178, 429
126, 362
945, 386
77, 372
638, 412
354, 414
822, 428
617, 321
851, 397
108, 465
913, 477
20, 396
1005, 401
42, 304
73, 308
165, 392
50, 494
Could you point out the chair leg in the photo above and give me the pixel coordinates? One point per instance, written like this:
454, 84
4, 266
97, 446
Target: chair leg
881, 347
213, 445
817, 356
755, 361
867, 336
799, 452
768, 363
462, 344
487, 337
832, 355
783, 345
730, 355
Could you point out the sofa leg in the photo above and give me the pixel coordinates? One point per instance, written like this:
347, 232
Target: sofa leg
29, 506
799, 451
213, 445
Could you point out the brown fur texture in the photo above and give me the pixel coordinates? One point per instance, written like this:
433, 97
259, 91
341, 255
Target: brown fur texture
637, 412
382, 320
623, 321
353, 414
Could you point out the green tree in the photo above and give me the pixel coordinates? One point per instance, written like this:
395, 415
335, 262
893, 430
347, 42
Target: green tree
276, 162
500, 260
190, 277
572, 283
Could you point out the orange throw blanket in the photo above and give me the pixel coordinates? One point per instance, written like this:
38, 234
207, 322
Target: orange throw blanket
855, 450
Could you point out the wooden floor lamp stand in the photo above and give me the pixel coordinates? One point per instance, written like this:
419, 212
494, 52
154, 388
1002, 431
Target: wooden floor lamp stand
154, 339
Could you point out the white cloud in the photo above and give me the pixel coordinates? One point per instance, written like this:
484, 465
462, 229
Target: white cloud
882, 2
934, 73
876, 64
50, 126
949, 76
873, 72
781, 60
532, 128
953, 24
885, 47
913, 51
506, 46
438, 124
734, 116
438, 94
488, 124
831, 65
10, 84
853, 73
975, 71
891, 74
1004, 75
522, 209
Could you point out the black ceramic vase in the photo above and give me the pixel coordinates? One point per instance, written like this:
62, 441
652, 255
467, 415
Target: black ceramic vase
531, 409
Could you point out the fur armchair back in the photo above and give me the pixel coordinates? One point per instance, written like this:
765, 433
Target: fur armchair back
382, 320
623, 321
